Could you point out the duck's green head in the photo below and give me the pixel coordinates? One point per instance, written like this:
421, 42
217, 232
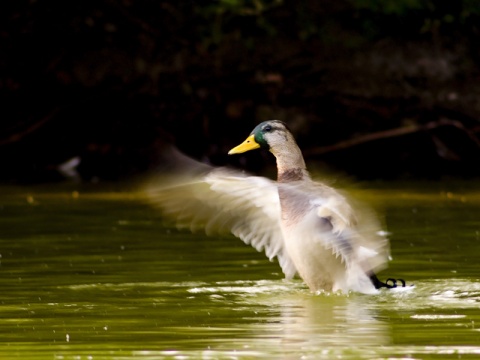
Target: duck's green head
260, 136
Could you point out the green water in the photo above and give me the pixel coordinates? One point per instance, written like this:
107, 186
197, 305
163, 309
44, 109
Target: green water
96, 275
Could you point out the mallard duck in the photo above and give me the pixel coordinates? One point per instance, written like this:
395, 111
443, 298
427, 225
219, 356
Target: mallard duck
310, 227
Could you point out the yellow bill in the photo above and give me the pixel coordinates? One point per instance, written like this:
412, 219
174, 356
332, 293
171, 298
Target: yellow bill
247, 145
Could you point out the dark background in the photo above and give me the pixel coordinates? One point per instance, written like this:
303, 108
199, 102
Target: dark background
379, 89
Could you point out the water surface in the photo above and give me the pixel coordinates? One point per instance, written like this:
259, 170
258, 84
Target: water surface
92, 273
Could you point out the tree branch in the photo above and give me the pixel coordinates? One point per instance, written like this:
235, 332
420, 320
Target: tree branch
396, 132
32, 128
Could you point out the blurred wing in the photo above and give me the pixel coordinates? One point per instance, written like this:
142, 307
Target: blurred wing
223, 201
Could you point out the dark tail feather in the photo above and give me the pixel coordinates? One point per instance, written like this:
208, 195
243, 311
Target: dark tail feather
389, 284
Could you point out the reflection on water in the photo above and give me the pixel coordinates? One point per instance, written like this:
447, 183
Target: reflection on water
297, 319
97, 276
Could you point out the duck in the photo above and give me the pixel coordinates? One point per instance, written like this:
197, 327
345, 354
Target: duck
315, 231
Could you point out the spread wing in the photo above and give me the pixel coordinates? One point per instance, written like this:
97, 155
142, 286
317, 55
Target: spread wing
358, 238
219, 201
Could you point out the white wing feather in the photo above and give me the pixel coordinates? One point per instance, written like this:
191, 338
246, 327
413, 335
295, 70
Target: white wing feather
225, 201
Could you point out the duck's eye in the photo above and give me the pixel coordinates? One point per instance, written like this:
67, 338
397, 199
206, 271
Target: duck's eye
267, 128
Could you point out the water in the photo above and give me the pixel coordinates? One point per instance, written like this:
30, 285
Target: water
95, 274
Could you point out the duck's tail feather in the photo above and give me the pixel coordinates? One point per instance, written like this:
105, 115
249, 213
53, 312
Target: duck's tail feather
389, 284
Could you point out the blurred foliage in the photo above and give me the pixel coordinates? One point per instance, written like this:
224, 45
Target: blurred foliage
111, 81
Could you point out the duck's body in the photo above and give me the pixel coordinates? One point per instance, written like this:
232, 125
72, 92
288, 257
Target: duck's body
310, 227
320, 231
